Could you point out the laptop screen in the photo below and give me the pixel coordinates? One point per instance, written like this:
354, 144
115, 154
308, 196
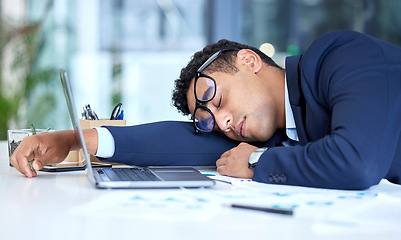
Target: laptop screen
74, 119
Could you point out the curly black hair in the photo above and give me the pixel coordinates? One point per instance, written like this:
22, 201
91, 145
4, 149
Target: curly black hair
225, 63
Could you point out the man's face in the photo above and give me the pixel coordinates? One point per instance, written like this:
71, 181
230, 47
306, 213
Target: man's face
244, 106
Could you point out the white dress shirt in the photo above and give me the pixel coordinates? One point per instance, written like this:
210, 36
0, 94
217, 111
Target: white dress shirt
105, 144
291, 129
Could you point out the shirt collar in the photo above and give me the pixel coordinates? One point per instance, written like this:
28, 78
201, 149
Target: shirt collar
289, 116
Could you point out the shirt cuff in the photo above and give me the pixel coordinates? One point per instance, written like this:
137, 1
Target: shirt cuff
105, 144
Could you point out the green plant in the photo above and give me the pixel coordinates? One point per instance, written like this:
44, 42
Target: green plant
33, 129
21, 75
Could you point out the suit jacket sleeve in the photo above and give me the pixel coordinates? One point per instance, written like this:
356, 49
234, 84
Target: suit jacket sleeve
351, 99
172, 143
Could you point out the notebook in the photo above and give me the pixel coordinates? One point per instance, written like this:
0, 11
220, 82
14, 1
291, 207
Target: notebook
131, 177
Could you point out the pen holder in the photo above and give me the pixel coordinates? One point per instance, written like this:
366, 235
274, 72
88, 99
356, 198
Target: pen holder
85, 124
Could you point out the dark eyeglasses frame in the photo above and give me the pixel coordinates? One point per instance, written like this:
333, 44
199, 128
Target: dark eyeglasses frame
199, 102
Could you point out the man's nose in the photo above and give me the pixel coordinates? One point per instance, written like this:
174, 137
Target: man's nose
224, 120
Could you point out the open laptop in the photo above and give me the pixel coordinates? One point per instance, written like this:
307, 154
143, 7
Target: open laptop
131, 177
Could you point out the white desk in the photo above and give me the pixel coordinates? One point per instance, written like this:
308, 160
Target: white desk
65, 206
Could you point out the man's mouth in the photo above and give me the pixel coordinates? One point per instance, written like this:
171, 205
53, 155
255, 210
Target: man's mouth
241, 127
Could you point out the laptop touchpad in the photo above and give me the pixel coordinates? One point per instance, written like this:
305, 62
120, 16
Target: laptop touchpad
179, 174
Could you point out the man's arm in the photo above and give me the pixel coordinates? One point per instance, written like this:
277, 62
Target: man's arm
49, 148
159, 143
172, 143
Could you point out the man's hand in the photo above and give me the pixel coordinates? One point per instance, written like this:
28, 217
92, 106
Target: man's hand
234, 162
44, 148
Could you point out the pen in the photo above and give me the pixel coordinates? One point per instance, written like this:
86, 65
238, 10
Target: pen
121, 115
288, 211
263, 209
116, 112
88, 113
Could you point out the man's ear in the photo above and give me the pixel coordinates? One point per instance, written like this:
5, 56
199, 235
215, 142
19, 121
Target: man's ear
250, 59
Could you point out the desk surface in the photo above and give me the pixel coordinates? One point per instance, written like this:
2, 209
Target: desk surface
67, 206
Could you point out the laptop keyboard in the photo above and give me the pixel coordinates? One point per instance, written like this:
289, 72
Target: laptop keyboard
129, 174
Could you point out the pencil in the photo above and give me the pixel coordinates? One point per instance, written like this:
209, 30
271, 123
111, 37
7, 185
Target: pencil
263, 209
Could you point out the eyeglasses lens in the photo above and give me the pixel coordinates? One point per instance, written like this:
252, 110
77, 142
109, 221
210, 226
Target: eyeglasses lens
204, 120
205, 90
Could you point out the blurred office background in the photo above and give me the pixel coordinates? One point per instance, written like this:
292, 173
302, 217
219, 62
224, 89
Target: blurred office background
131, 51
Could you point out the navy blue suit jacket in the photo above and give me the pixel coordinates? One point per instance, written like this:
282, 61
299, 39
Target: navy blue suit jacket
345, 93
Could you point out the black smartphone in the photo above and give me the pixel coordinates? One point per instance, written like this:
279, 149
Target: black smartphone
70, 166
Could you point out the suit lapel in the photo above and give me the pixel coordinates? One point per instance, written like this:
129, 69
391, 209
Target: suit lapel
296, 97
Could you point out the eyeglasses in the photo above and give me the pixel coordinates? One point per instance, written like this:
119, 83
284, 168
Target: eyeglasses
205, 90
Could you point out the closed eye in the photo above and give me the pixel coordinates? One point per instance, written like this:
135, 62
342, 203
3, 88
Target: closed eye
221, 99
